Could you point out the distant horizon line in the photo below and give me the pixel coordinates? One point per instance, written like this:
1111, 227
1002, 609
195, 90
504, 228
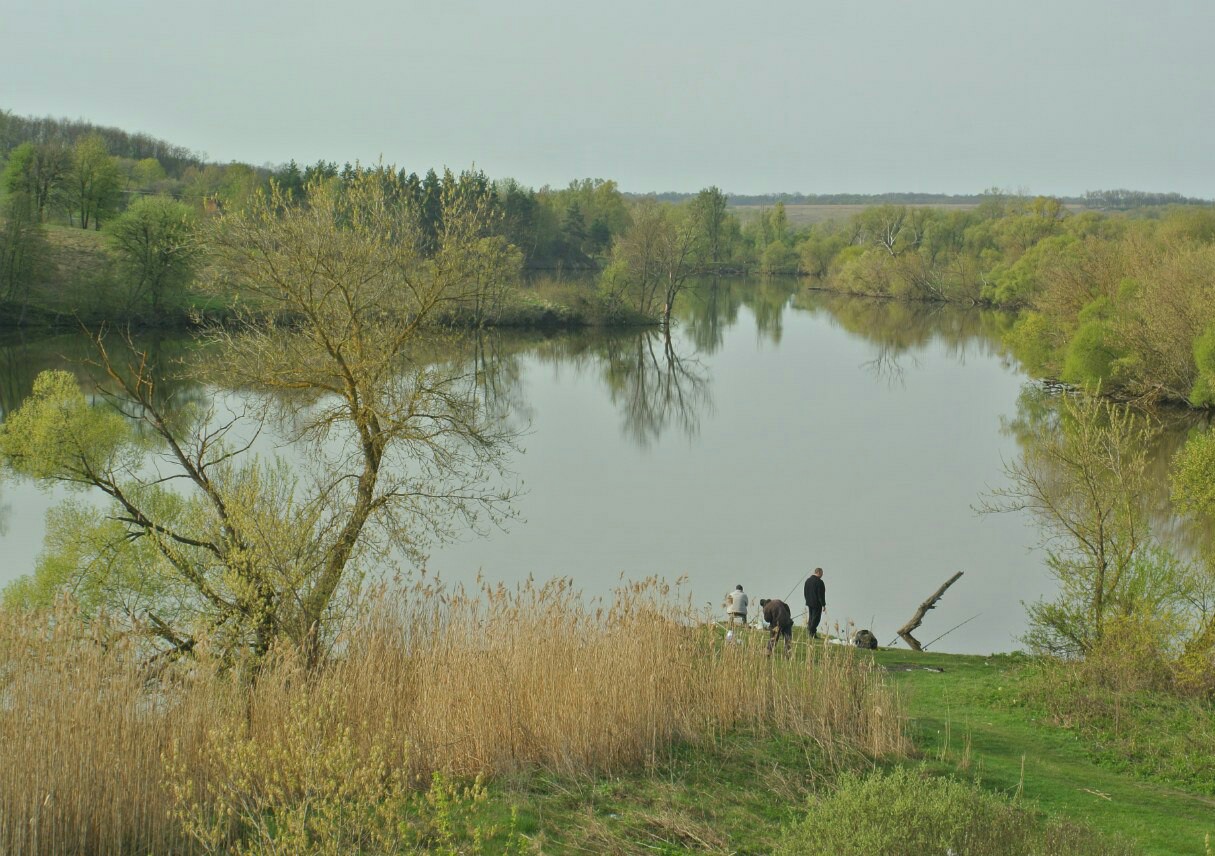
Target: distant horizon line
789, 197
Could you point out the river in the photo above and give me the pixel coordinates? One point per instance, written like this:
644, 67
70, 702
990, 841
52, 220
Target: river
782, 430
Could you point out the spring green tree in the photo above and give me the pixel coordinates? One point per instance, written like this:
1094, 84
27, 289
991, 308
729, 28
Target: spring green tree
1082, 475
653, 261
41, 171
22, 248
158, 245
709, 213
202, 539
1193, 489
94, 181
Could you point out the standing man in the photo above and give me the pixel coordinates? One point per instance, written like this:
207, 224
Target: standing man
780, 623
816, 601
736, 606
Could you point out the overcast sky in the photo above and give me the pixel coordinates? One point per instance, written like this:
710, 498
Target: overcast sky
779, 95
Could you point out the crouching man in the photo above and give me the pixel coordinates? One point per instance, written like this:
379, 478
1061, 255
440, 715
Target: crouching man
780, 623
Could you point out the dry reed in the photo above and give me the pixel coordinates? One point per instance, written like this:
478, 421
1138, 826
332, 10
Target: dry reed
100, 754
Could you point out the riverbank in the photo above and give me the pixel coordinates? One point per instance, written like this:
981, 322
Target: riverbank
649, 735
78, 284
1120, 302
968, 720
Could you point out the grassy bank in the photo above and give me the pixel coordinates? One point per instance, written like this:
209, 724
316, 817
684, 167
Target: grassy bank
969, 720
746, 791
973, 718
524, 721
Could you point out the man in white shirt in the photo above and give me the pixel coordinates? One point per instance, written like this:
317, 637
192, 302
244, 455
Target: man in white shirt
736, 606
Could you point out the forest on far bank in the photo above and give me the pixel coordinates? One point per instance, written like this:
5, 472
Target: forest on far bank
100, 224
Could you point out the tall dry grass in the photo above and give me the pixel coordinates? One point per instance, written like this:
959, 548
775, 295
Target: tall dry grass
99, 753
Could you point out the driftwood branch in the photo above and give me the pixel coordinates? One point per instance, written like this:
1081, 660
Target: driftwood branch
905, 630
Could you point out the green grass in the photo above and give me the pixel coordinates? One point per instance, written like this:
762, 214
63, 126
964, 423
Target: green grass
737, 793
970, 719
733, 796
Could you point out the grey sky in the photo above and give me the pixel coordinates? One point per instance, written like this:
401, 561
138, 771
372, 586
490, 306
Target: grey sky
786, 95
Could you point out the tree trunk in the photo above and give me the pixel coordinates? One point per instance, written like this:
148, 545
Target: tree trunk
905, 630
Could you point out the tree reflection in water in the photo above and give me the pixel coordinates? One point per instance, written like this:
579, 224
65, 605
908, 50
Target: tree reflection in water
655, 387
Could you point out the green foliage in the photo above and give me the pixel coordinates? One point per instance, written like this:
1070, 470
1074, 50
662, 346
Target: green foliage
818, 250
1018, 282
81, 555
1190, 224
148, 173
866, 270
247, 551
1095, 352
1119, 302
1082, 475
158, 245
1203, 392
716, 226
653, 260
779, 257
41, 171
56, 434
1193, 475
907, 813
1032, 340
1127, 308
94, 181
23, 250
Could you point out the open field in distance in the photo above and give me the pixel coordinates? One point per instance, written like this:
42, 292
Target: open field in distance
808, 215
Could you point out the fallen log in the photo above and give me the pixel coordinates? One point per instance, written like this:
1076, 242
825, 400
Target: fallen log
905, 630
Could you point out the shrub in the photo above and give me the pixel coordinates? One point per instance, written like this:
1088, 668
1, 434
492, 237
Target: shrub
1115, 707
908, 812
1031, 341
1203, 393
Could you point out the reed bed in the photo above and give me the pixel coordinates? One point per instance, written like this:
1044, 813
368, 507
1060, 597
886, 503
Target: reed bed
101, 753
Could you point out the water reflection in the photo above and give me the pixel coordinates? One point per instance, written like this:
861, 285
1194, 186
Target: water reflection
899, 328
497, 374
655, 387
768, 445
165, 356
712, 305
658, 382
1037, 415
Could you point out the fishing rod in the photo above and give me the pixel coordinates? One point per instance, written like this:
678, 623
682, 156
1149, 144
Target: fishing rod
795, 585
951, 630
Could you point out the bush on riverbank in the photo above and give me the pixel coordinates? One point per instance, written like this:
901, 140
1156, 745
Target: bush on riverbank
1121, 302
102, 751
908, 813
1124, 703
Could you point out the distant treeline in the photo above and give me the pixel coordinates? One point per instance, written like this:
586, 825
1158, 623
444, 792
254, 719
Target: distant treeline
834, 198
15, 130
1119, 200
1125, 200
1123, 298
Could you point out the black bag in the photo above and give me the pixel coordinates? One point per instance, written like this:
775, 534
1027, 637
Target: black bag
864, 639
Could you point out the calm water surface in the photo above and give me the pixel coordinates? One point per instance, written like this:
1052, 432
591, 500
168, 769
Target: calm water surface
781, 430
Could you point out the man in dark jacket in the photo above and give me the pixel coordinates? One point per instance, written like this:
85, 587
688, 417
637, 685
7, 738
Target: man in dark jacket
816, 601
780, 623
